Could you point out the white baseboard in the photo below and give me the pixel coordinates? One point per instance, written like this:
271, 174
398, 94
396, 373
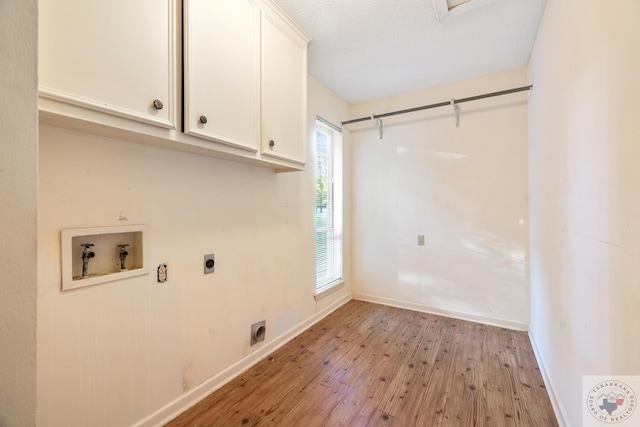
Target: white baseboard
551, 391
193, 396
508, 324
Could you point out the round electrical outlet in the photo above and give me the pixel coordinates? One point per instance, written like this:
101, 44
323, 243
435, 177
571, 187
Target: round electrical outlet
209, 264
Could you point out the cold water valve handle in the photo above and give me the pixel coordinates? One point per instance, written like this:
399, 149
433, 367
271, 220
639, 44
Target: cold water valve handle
123, 256
87, 254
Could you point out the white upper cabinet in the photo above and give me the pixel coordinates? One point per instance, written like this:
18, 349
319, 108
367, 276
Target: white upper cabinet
284, 88
115, 68
221, 71
116, 57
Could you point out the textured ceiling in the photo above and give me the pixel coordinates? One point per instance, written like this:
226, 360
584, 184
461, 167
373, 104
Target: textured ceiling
370, 49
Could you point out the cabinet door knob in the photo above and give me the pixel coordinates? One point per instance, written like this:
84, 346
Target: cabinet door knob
203, 119
157, 104
272, 143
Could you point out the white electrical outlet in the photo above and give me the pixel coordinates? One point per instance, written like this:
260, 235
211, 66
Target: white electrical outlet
420, 239
162, 273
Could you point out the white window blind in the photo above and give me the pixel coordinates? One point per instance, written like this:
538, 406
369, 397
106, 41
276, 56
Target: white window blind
328, 150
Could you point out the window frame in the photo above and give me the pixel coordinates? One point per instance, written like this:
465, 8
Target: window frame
334, 209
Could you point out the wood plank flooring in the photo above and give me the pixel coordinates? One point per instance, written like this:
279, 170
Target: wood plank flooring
373, 365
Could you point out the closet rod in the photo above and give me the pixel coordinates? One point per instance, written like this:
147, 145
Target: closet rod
440, 104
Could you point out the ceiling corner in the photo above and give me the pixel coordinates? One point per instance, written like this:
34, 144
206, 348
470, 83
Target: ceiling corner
441, 8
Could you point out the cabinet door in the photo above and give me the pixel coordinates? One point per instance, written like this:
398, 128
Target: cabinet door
284, 90
113, 56
221, 74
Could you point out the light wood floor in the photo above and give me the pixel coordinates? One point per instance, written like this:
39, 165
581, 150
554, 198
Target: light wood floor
372, 365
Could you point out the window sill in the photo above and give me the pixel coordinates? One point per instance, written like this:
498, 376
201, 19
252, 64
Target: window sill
328, 290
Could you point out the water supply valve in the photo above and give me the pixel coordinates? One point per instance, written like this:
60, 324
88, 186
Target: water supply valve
123, 256
87, 254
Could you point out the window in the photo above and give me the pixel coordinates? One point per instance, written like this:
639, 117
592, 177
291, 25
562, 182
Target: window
328, 156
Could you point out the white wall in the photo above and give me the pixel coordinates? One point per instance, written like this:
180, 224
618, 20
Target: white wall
584, 154
113, 354
18, 187
464, 188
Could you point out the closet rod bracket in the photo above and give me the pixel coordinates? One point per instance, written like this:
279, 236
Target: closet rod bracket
378, 124
456, 112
